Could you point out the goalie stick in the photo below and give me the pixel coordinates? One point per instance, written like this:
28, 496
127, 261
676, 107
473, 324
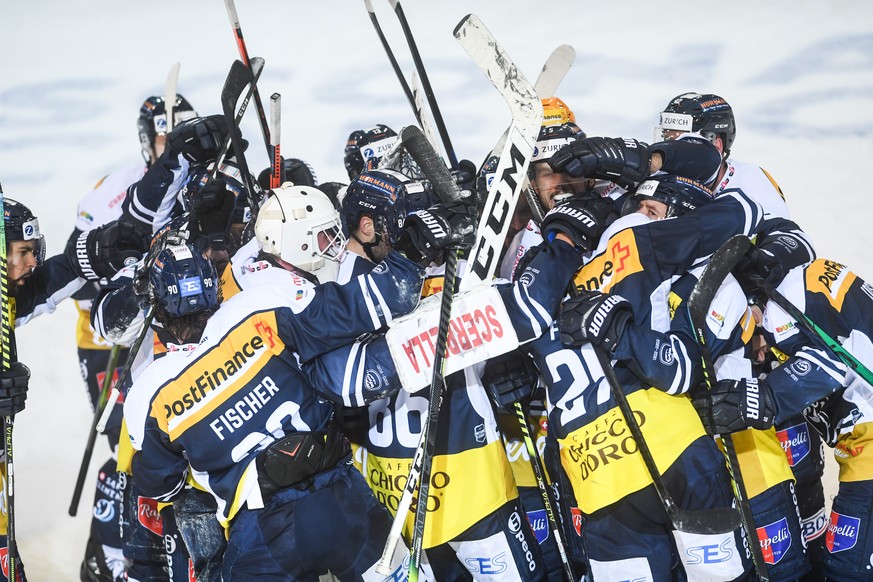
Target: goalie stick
720, 265
422, 151
527, 116
170, 95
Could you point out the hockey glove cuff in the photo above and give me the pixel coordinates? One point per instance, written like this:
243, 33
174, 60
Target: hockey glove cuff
104, 251
582, 218
736, 405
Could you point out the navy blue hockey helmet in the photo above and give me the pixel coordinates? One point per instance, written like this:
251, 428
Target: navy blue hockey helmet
388, 194
680, 194
707, 114
21, 225
184, 281
365, 147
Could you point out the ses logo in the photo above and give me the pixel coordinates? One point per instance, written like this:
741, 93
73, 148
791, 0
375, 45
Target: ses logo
775, 540
710, 553
488, 565
190, 286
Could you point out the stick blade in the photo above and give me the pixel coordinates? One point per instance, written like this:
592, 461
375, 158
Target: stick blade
430, 162
707, 521
720, 265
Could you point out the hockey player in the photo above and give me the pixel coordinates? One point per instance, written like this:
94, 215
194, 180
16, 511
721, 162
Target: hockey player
713, 118
366, 147
103, 557
836, 398
251, 410
609, 482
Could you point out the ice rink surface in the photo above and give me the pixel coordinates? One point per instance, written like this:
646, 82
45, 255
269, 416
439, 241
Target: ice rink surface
799, 75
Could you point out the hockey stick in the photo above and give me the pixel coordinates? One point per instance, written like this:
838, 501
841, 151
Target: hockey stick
102, 400
394, 65
275, 144
7, 357
720, 265
434, 168
238, 79
536, 464
804, 320
425, 83
706, 521
527, 116
170, 95
421, 115
244, 55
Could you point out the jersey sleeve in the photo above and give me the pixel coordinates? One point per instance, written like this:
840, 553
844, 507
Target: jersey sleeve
691, 157
150, 201
160, 469
48, 285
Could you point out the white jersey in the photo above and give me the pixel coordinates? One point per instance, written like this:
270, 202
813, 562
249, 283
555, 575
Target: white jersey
103, 203
757, 184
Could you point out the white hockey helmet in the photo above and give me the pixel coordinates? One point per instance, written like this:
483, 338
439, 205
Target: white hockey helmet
300, 225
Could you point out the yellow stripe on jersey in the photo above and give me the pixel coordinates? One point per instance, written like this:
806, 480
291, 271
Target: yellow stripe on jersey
621, 259
854, 454
830, 279
218, 375
432, 286
601, 458
124, 451
747, 324
457, 483
228, 286
772, 181
762, 461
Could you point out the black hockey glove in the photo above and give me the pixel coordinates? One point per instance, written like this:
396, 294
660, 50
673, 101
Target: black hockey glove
104, 251
200, 139
623, 161
509, 378
427, 232
583, 218
594, 317
211, 208
735, 405
13, 389
465, 176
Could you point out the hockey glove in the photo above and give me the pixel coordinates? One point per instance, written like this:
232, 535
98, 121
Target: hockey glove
735, 405
427, 232
13, 389
200, 139
509, 378
594, 317
104, 251
623, 161
211, 208
582, 218
465, 176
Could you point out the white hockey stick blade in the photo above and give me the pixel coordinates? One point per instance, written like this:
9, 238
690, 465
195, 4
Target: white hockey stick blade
527, 116
170, 95
275, 118
554, 70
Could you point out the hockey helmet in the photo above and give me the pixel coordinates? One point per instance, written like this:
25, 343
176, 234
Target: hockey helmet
680, 194
184, 281
706, 114
300, 225
21, 225
152, 120
365, 147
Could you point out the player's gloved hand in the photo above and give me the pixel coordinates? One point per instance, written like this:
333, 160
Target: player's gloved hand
465, 176
509, 378
735, 405
107, 249
594, 317
199, 139
13, 389
427, 232
621, 160
583, 218
211, 207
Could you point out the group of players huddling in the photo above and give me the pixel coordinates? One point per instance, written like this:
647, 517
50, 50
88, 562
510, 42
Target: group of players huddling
265, 429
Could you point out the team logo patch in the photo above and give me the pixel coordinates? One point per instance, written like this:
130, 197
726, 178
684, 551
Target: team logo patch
527, 278
842, 532
665, 355
539, 523
372, 381
801, 367
104, 510
577, 520
775, 540
795, 442
190, 286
